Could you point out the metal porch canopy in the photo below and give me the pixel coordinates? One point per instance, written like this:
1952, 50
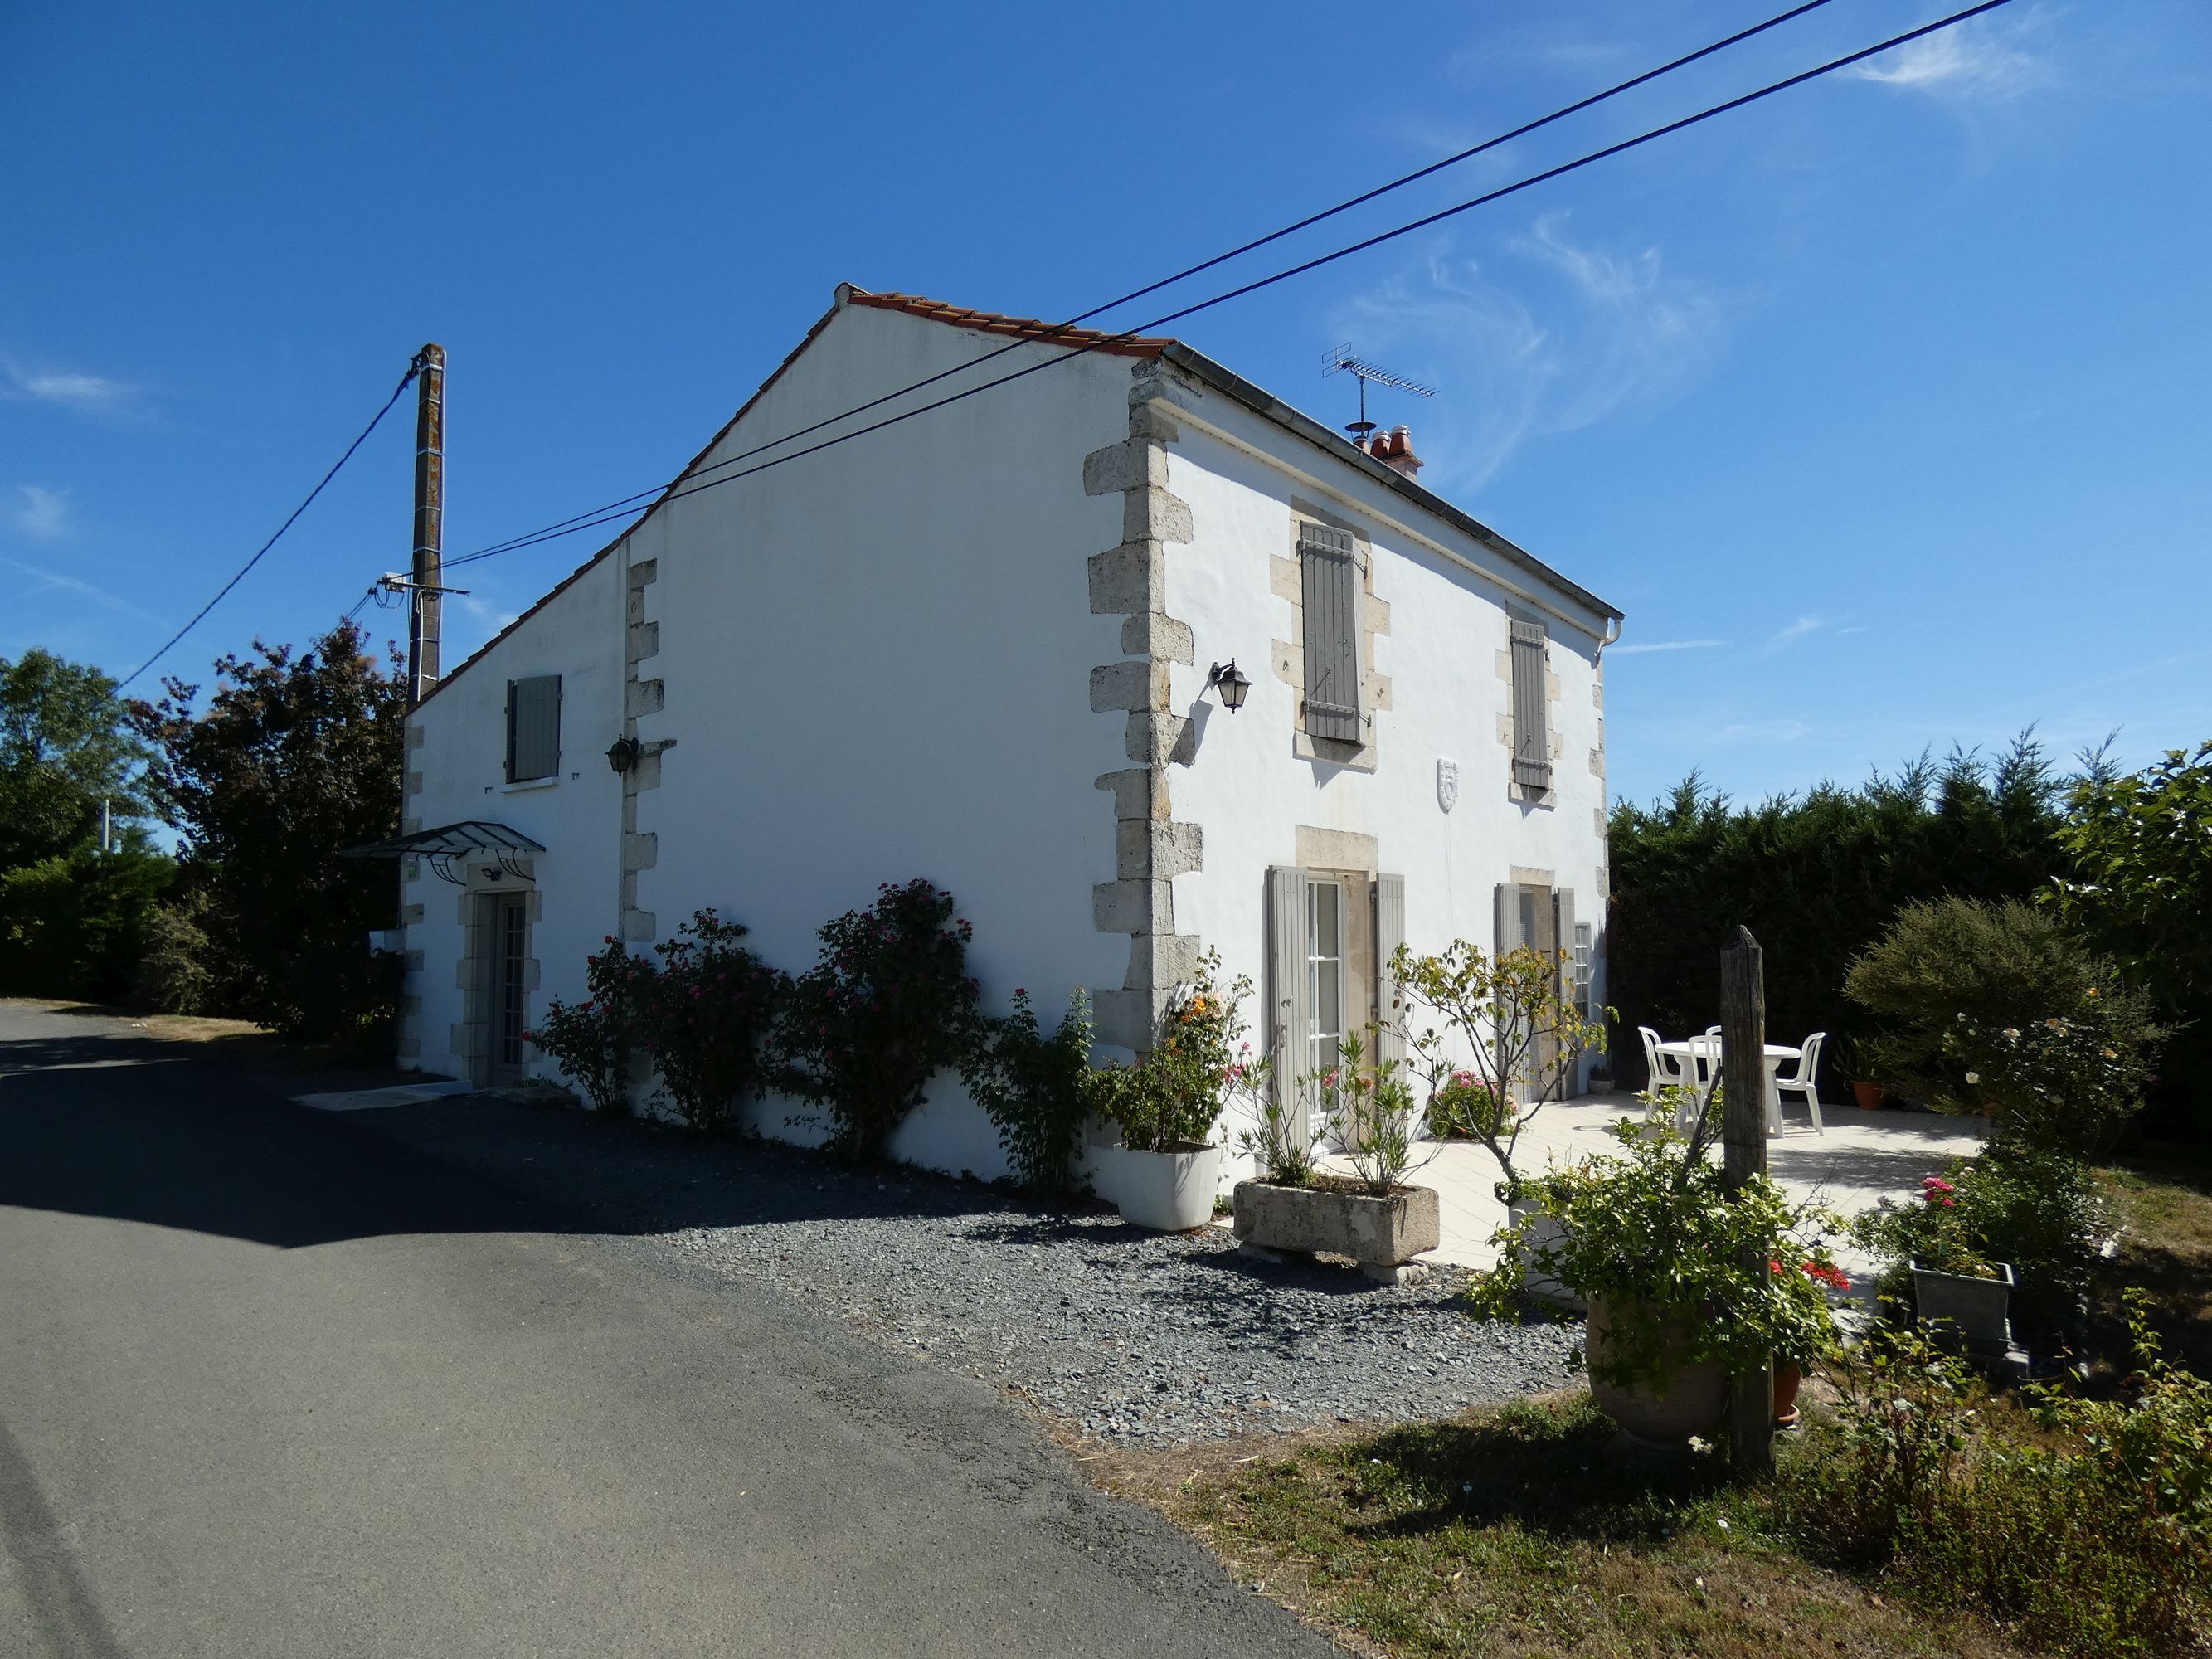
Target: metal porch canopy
450, 843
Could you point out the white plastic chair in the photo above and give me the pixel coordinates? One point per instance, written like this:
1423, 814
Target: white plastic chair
1701, 1072
1663, 1069
1806, 1082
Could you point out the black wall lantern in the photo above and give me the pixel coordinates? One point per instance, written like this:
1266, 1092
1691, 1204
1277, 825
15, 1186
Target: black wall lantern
623, 753
1231, 682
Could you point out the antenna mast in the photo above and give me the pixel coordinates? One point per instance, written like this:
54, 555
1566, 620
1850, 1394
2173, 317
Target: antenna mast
1341, 360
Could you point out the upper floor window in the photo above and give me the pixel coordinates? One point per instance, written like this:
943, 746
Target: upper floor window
533, 728
1532, 735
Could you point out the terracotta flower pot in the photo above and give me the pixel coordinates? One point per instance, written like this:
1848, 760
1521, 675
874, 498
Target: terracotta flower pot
1869, 1096
1789, 1377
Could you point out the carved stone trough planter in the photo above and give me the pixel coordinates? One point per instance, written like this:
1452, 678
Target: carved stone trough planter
1381, 1234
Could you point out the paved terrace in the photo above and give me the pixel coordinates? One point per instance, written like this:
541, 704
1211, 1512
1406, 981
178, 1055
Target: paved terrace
1861, 1156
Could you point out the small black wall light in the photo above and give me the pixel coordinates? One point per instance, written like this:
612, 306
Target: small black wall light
623, 752
1231, 682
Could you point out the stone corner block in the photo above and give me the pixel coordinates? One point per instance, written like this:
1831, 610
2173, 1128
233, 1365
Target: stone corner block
1132, 907
1137, 684
1131, 464
1147, 851
1132, 577
1160, 638
1126, 1019
1156, 515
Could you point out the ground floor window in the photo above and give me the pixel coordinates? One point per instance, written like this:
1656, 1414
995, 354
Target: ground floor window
1325, 953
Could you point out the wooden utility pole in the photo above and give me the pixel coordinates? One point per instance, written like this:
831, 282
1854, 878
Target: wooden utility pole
1743, 1139
426, 600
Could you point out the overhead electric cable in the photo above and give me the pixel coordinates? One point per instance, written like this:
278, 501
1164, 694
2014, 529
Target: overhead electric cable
668, 493
414, 369
1311, 219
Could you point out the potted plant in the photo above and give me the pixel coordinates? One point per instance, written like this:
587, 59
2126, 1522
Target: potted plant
1371, 1215
1167, 1106
1938, 1242
1494, 1035
1869, 1096
1685, 1280
1600, 1081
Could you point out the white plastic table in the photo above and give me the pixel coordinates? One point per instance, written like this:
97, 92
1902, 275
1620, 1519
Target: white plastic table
1776, 1054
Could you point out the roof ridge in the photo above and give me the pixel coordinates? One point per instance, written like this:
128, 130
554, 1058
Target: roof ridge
994, 322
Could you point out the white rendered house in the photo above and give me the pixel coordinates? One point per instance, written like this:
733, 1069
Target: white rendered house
977, 646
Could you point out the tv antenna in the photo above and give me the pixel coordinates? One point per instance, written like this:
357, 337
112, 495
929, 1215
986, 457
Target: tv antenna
1341, 360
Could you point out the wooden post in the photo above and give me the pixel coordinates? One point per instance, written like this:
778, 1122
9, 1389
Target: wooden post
1743, 1138
426, 599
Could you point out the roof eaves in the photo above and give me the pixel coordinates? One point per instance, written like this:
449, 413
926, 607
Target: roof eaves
1266, 404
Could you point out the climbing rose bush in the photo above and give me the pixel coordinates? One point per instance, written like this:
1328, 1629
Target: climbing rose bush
706, 1019
593, 1041
886, 1006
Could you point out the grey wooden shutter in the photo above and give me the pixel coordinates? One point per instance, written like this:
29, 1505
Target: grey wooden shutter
1289, 1019
1509, 918
534, 727
1389, 934
1563, 934
1331, 581
1532, 736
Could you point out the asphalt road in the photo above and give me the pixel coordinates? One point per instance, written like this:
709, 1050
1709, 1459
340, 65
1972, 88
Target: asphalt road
271, 1384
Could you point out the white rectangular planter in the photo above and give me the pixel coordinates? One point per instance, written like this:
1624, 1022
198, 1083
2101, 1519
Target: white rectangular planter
1976, 1306
1375, 1232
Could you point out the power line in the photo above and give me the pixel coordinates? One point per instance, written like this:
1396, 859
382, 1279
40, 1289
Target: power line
413, 369
1311, 219
608, 515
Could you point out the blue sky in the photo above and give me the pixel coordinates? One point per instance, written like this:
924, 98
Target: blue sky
1881, 407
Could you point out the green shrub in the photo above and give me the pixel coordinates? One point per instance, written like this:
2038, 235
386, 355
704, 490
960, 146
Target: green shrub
2085, 1524
1816, 876
2003, 1006
1657, 1233
75, 925
887, 1005
1032, 1088
178, 972
1464, 1108
593, 1041
707, 1014
1172, 1096
2040, 1210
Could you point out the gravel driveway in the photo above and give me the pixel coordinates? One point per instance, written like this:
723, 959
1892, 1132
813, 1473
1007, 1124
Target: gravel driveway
1128, 1336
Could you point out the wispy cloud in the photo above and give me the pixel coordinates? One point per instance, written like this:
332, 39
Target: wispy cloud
1980, 59
40, 512
92, 393
1557, 333
1784, 638
1663, 645
53, 579
1776, 731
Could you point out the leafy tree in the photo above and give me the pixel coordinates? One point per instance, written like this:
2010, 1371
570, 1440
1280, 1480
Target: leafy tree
65, 745
76, 924
294, 758
2140, 846
1817, 877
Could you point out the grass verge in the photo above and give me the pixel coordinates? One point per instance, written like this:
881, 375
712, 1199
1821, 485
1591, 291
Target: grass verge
2164, 1203
1523, 1532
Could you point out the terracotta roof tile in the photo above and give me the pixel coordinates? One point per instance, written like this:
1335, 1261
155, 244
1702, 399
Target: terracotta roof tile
1028, 328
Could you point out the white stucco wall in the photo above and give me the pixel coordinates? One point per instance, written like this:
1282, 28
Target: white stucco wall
877, 666
1446, 593
461, 759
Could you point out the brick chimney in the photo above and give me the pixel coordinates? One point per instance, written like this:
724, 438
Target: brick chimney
1394, 449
